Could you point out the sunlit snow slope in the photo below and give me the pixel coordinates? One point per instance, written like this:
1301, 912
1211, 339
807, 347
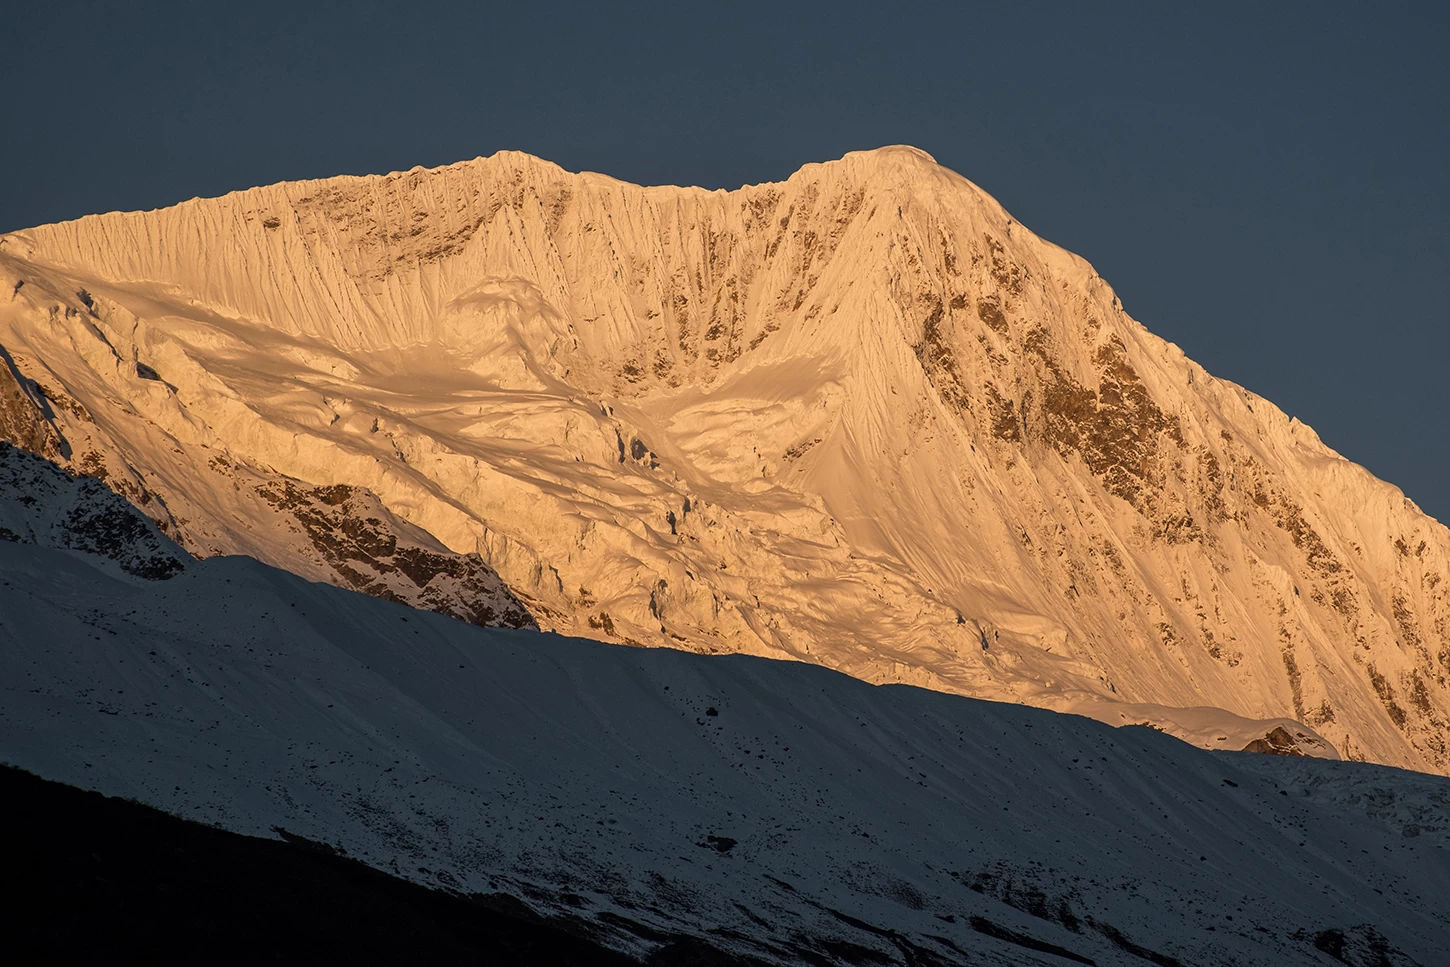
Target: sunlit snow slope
860, 418
775, 809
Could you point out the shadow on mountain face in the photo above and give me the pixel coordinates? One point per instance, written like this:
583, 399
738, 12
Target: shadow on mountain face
97, 876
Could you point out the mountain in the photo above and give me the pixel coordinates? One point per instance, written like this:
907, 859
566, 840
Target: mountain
861, 418
716, 809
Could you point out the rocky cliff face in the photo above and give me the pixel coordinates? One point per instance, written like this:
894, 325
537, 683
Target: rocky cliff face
861, 418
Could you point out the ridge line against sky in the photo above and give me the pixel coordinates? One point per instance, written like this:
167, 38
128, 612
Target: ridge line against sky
1264, 187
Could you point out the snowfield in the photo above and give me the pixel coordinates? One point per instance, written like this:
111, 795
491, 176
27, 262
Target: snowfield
776, 809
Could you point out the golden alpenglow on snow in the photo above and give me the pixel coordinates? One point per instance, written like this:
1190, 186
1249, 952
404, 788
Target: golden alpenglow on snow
861, 418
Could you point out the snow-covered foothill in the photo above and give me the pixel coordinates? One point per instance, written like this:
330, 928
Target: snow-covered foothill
780, 810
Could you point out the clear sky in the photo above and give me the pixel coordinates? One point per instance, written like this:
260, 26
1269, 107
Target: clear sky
1264, 184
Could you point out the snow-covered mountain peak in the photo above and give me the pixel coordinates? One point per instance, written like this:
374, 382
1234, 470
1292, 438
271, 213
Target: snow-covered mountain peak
878, 169
860, 417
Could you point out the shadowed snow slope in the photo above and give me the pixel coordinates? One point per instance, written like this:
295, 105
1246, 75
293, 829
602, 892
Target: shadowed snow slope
860, 418
42, 504
781, 810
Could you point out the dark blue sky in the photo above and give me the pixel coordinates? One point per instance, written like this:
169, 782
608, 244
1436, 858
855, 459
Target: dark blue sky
1264, 184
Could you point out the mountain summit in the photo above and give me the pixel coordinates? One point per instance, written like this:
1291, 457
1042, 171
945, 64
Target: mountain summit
861, 418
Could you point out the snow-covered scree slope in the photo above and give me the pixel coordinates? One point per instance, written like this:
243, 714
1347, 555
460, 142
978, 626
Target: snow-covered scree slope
776, 809
861, 418
43, 505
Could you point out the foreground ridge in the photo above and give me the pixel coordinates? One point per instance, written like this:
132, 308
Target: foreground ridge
104, 876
